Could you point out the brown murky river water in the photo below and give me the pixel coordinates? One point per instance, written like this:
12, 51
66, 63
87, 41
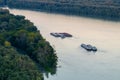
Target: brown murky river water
74, 62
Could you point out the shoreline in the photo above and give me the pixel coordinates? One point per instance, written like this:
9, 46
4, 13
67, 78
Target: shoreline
88, 17
96, 10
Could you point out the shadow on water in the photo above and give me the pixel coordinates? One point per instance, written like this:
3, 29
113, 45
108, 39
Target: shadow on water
51, 72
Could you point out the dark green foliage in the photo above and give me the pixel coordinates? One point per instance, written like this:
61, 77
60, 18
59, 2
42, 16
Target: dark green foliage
2, 2
15, 66
5, 11
23, 51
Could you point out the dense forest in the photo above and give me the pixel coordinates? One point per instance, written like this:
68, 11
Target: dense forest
104, 9
24, 53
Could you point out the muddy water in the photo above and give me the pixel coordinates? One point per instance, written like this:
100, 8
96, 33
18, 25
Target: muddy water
75, 63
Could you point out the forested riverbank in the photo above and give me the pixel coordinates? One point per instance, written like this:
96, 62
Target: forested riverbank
24, 53
75, 63
102, 9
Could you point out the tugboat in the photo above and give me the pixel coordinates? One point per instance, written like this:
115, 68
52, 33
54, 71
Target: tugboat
89, 47
94, 49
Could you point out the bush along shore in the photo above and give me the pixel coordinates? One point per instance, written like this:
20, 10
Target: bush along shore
24, 53
102, 9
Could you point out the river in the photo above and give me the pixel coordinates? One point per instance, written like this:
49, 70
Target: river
75, 63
